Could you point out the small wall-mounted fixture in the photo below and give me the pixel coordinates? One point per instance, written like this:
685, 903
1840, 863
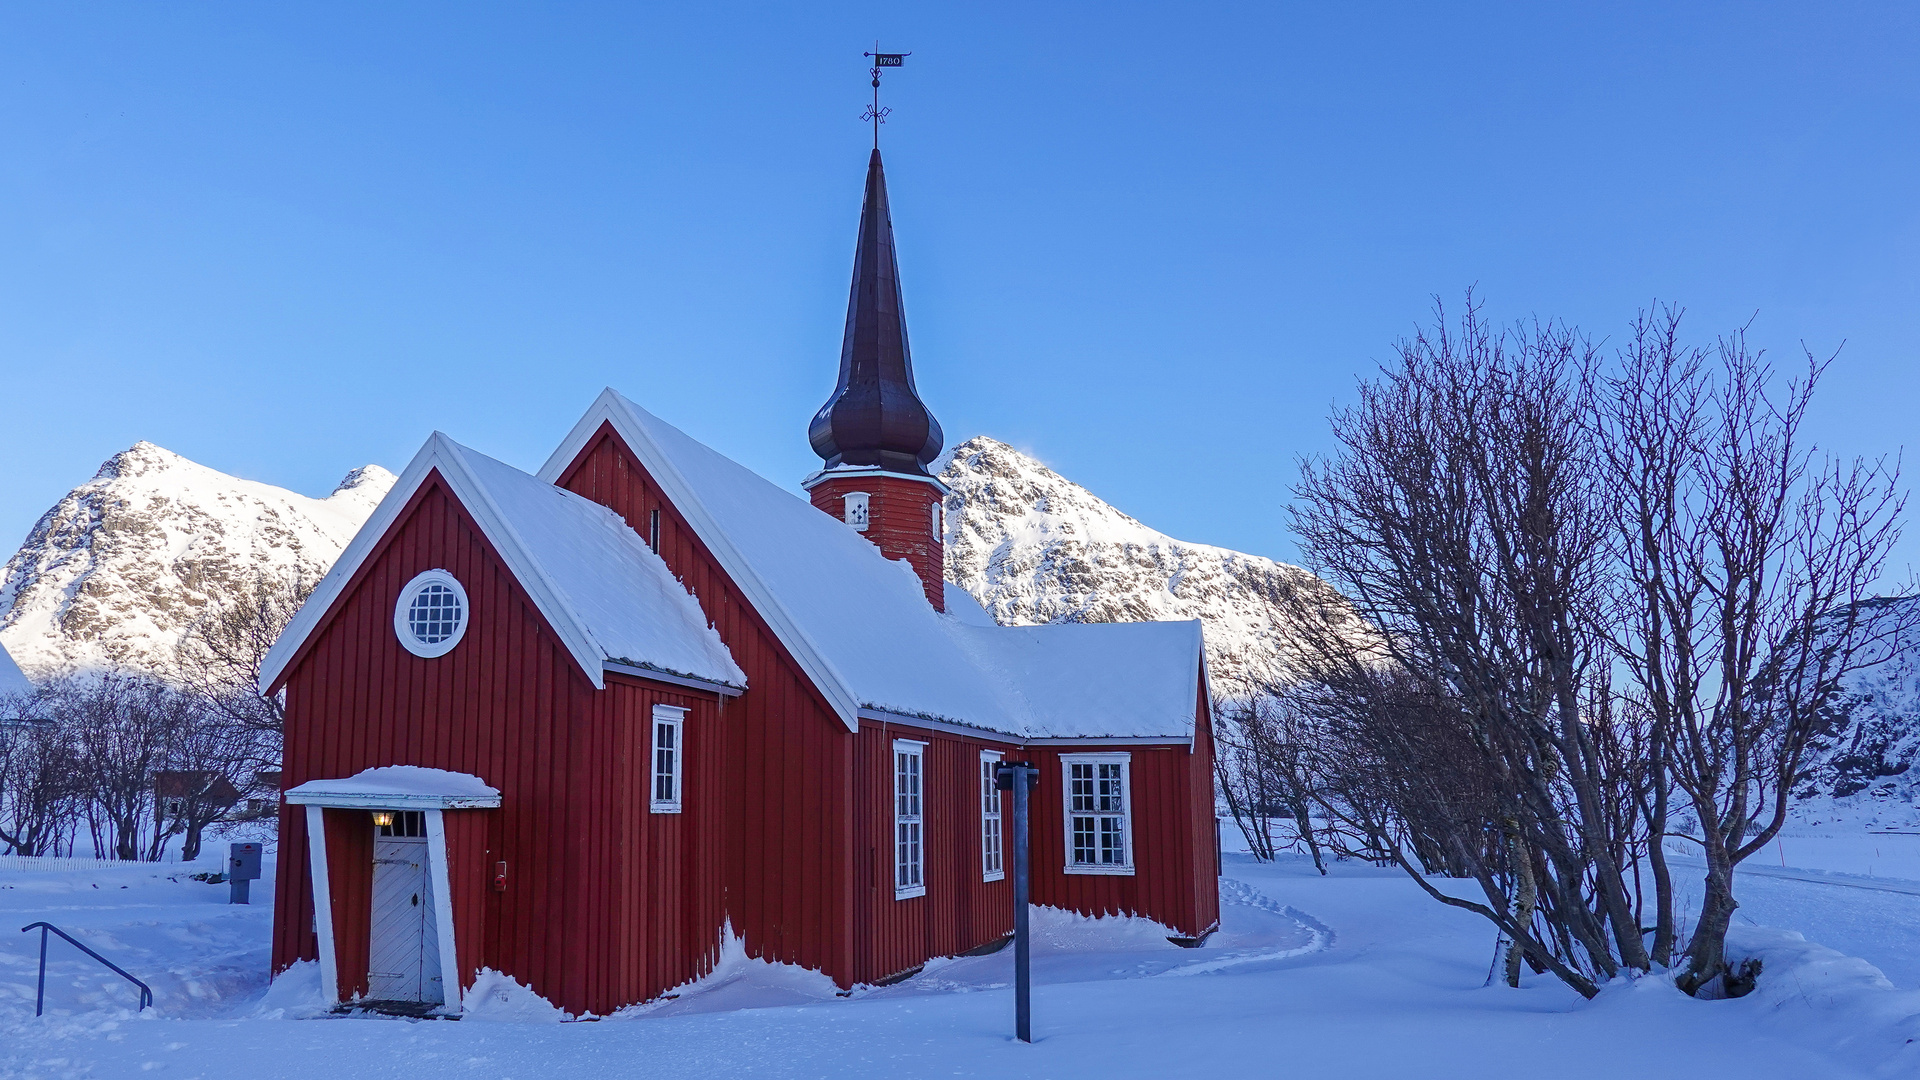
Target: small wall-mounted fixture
382, 819
500, 876
855, 513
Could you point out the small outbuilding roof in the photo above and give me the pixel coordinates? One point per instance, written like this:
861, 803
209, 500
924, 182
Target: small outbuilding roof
610, 598
860, 626
399, 787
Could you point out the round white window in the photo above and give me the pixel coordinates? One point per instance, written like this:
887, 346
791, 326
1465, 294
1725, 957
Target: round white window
431, 617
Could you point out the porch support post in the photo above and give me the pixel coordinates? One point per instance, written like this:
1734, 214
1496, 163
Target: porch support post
450, 988
323, 904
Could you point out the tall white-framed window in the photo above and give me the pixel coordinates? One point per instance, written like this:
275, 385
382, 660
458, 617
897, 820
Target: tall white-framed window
653, 529
992, 863
854, 509
669, 757
909, 822
1099, 813
938, 513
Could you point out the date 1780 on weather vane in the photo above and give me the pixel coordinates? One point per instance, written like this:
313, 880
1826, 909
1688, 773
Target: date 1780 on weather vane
881, 61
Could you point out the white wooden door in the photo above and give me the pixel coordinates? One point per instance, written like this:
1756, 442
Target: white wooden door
403, 954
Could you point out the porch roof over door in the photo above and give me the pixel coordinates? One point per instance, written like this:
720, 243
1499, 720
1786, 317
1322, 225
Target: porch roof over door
399, 787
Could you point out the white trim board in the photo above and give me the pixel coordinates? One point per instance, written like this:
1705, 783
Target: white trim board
450, 990
688, 681
857, 472
322, 904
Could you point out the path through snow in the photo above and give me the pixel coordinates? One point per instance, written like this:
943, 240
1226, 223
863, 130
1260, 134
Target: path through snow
1377, 981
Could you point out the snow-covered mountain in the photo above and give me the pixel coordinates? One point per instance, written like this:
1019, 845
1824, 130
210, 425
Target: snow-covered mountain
1862, 768
1035, 547
114, 574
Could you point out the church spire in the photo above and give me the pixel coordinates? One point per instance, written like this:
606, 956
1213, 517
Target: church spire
875, 417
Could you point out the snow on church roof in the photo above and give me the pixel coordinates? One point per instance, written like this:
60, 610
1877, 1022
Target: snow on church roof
608, 577
849, 614
605, 592
12, 679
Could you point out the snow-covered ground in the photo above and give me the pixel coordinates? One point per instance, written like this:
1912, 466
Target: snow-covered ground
1352, 975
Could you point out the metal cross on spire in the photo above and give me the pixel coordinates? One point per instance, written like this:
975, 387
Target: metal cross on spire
874, 112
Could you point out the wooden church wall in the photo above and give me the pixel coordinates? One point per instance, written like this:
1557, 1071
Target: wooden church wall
1203, 814
787, 758
595, 885
1167, 862
960, 911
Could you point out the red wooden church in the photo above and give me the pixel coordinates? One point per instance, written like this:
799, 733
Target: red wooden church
577, 727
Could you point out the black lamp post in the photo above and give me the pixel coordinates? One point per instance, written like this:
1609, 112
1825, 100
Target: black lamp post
1020, 777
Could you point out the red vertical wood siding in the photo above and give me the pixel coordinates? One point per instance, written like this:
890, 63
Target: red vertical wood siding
1203, 811
785, 757
350, 875
899, 522
960, 911
509, 705
469, 885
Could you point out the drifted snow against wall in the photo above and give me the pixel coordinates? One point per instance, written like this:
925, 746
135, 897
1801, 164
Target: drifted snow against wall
114, 574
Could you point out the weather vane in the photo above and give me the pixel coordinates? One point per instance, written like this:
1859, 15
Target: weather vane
874, 112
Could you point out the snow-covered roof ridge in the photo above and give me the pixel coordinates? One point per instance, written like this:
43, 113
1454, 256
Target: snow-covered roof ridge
607, 595
847, 613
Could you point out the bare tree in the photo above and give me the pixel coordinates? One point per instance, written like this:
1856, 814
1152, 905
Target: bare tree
1464, 514
206, 761
122, 729
220, 657
1267, 772
1747, 562
38, 778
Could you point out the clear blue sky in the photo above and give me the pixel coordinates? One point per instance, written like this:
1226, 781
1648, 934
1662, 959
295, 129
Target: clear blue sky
1151, 244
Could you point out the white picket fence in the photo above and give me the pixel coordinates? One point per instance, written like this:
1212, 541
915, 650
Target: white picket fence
28, 863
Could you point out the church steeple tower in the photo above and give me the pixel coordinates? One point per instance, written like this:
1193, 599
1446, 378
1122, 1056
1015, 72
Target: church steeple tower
874, 434
875, 416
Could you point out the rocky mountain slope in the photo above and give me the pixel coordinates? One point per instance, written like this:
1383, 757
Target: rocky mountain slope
1035, 547
114, 574
1862, 768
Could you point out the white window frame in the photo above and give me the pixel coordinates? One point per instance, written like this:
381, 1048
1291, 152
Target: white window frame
1125, 761
993, 834
909, 819
403, 611
936, 512
674, 719
856, 509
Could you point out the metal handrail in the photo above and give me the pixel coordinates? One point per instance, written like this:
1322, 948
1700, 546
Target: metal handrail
40, 995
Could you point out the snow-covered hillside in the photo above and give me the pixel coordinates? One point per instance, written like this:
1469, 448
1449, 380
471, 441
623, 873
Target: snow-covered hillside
1035, 547
120, 567
1862, 769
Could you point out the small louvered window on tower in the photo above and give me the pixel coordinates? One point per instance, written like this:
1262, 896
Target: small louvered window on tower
856, 510
935, 512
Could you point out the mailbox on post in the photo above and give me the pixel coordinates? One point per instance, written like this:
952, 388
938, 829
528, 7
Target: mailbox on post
243, 865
